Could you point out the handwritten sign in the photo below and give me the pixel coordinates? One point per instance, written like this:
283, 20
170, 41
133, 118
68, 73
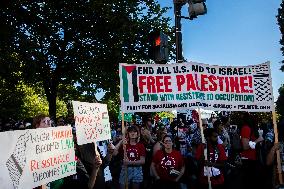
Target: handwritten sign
165, 87
91, 122
34, 157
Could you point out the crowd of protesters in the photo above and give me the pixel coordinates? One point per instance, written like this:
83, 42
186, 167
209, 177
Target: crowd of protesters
173, 156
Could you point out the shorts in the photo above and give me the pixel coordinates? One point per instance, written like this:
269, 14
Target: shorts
134, 174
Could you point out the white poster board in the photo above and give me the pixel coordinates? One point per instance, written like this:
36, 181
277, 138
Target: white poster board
91, 122
34, 157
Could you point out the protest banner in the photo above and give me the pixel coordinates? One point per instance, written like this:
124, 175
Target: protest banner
91, 122
165, 87
34, 157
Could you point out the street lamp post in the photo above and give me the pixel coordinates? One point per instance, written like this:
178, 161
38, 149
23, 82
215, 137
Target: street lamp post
177, 8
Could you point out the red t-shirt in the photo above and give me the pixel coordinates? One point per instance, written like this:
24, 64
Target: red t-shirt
163, 165
220, 156
246, 133
134, 152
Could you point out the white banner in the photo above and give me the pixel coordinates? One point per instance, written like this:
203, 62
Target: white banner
34, 157
91, 122
166, 87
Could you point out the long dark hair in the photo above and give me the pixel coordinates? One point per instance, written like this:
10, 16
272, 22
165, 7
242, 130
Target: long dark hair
249, 120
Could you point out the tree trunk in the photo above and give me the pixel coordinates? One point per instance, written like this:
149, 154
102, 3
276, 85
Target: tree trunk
52, 106
50, 88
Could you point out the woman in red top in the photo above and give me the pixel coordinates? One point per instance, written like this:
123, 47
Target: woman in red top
168, 165
216, 158
250, 167
135, 158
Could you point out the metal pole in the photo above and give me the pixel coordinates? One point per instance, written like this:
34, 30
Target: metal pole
177, 9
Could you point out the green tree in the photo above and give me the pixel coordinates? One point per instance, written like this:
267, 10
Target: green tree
23, 101
280, 102
77, 43
10, 100
35, 102
280, 19
113, 105
169, 115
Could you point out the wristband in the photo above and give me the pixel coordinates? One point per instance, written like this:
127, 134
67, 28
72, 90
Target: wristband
252, 144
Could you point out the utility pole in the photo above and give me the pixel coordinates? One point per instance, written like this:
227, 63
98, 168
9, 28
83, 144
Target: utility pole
177, 8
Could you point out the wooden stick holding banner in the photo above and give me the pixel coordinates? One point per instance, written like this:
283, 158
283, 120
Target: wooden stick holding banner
124, 149
279, 167
205, 149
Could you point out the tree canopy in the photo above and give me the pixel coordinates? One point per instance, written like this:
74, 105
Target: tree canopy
23, 101
77, 43
280, 102
280, 19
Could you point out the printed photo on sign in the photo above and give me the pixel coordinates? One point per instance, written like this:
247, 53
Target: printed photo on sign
165, 87
91, 122
30, 158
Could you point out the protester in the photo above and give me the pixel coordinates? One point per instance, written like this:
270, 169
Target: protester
162, 131
214, 165
148, 140
168, 166
146, 135
133, 159
269, 157
249, 138
223, 136
41, 121
195, 134
60, 121
152, 162
95, 163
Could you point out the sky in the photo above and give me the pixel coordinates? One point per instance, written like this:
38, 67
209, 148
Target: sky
235, 33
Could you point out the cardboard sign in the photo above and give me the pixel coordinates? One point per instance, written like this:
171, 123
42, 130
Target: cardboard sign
34, 157
165, 87
91, 122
